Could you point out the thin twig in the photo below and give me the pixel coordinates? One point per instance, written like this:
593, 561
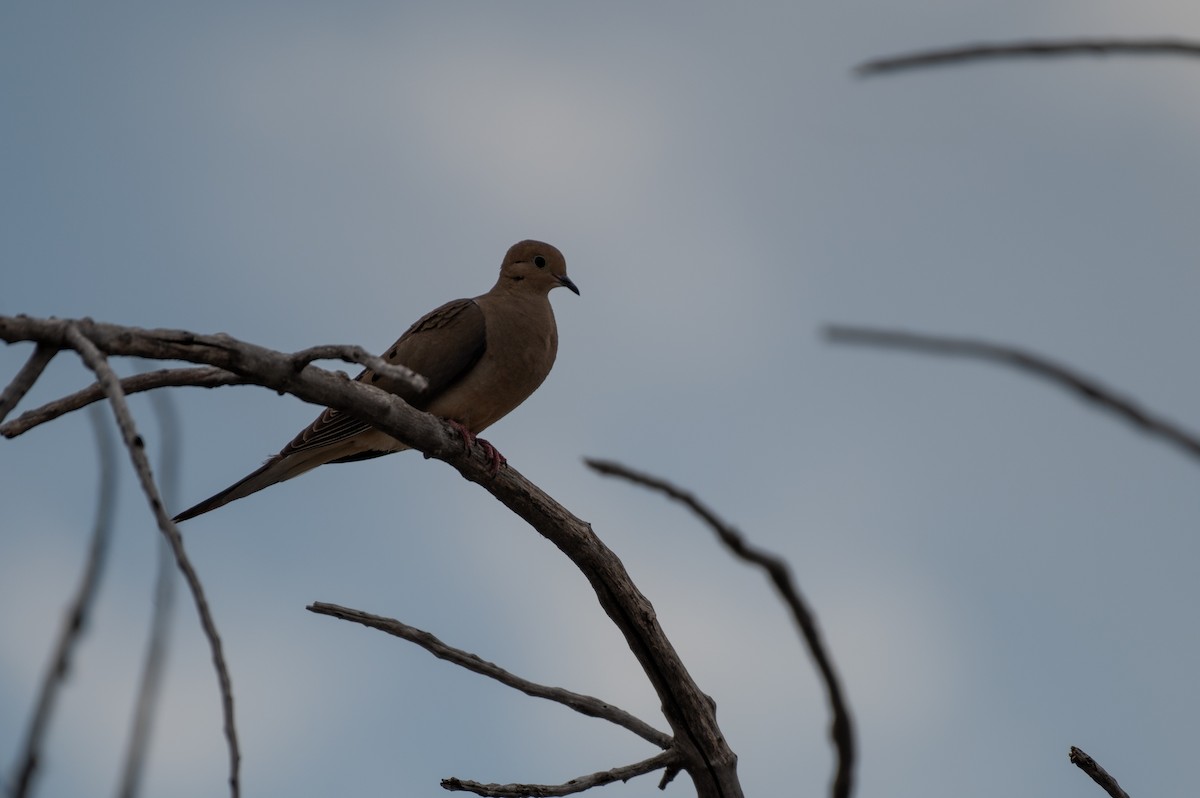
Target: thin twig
202, 377
154, 660
1086, 387
78, 611
583, 704
97, 362
706, 755
356, 354
841, 730
657, 762
26, 377
1098, 774
1029, 49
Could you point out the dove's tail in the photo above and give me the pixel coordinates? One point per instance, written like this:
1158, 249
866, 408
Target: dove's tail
277, 469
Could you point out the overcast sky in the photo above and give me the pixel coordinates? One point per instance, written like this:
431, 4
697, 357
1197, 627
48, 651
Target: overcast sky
1001, 571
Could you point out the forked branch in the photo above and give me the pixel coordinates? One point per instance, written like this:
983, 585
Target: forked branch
698, 741
136, 446
841, 729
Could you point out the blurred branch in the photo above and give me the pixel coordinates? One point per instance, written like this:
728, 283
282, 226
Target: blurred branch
1097, 773
78, 611
1086, 387
583, 704
154, 661
702, 748
25, 378
664, 760
841, 729
98, 363
204, 377
1028, 49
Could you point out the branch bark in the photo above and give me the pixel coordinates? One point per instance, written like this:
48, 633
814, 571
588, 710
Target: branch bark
1097, 773
96, 360
154, 660
841, 727
25, 378
206, 377
583, 704
702, 748
664, 760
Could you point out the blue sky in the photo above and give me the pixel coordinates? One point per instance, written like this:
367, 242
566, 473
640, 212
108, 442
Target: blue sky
1001, 571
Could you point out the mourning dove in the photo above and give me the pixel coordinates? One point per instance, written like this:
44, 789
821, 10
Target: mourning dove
482, 358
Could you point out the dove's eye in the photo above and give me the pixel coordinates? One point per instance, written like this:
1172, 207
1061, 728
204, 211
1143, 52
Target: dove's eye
539, 261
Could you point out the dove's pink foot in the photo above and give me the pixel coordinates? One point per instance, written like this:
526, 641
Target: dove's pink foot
495, 459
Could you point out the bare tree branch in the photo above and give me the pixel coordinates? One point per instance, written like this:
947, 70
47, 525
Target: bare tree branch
584, 704
841, 730
204, 377
1029, 49
78, 611
25, 378
154, 661
356, 354
703, 751
97, 362
1097, 773
657, 762
1086, 387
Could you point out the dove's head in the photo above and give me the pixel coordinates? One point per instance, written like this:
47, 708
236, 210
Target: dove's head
534, 266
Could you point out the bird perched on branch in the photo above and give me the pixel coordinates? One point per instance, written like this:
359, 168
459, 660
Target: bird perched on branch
482, 357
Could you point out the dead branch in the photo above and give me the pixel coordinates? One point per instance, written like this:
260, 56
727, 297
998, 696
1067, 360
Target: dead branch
583, 704
356, 354
204, 377
1086, 387
841, 730
1097, 773
664, 760
1029, 49
703, 751
154, 660
98, 363
25, 378
78, 611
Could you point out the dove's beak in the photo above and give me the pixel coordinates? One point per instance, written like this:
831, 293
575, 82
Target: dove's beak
565, 280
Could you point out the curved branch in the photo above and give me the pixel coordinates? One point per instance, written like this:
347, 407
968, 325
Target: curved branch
356, 354
664, 760
1097, 773
154, 660
583, 704
841, 730
97, 362
1029, 49
25, 378
1086, 387
691, 714
79, 610
204, 377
